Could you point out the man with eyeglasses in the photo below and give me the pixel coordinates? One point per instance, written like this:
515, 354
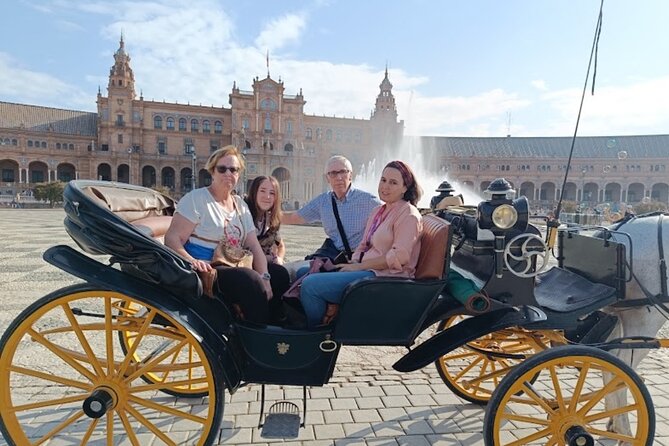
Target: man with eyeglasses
352, 205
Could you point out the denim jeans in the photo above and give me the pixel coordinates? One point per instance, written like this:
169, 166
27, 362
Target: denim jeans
320, 288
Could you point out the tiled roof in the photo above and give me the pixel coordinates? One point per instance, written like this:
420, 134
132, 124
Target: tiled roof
42, 119
635, 147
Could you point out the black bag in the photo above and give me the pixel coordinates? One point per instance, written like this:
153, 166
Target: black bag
327, 250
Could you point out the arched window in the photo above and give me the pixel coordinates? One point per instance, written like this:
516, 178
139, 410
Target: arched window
158, 122
71, 147
308, 133
57, 145
170, 123
194, 125
288, 147
328, 135
218, 127
268, 124
206, 128
182, 125
267, 104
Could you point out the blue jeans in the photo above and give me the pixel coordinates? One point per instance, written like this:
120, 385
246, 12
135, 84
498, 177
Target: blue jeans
320, 288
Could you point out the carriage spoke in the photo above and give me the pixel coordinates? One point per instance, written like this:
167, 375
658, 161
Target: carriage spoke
611, 412
128, 428
150, 426
165, 409
50, 377
62, 354
530, 438
599, 395
109, 339
169, 385
576, 394
154, 361
621, 438
49, 403
464, 371
538, 399
110, 428
82, 339
525, 419
557, 388
89, 431
140, 335
78, 414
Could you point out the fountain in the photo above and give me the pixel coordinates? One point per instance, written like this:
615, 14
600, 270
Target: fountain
411, 152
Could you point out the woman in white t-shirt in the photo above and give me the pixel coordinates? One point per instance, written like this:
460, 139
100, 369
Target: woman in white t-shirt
206, 215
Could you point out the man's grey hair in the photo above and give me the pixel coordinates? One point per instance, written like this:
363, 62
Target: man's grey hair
336, 158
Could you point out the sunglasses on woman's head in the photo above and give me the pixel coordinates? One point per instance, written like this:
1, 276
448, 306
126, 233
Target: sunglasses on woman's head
223, 169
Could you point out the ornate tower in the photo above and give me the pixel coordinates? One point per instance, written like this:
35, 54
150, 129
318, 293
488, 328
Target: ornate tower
121, 79
386, 131
385, 109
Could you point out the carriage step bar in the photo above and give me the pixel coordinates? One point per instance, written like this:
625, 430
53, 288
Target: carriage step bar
283, 417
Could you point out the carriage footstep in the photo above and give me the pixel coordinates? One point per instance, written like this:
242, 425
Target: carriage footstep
282, 421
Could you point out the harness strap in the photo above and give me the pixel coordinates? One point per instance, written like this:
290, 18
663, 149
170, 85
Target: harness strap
663, 263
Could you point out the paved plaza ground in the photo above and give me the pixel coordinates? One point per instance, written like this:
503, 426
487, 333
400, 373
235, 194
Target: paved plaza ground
366, 402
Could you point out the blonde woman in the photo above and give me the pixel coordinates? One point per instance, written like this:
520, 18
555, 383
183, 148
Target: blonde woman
206, 215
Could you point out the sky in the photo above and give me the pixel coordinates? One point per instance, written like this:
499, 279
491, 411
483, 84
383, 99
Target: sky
458, 68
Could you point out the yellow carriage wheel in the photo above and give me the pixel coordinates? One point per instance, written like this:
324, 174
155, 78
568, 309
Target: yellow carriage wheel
63, 377
567, 404
475, 369
131, 312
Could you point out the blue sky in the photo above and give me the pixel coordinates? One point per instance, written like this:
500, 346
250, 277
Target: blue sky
459, 68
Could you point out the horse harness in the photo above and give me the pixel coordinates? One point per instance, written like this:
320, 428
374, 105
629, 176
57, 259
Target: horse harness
656, 300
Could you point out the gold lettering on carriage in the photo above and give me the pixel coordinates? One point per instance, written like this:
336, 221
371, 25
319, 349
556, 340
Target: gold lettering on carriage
282, 348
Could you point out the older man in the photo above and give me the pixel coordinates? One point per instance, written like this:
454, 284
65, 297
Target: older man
352, 205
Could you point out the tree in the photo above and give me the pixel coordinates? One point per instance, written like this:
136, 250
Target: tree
51, 192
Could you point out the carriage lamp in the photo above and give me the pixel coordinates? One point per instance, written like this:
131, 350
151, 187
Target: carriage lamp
500, 213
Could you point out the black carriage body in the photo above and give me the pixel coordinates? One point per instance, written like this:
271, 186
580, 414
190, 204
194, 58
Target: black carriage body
589, 276
102, 218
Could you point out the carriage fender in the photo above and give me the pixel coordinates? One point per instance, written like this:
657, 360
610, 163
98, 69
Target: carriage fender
109, 278
469, 329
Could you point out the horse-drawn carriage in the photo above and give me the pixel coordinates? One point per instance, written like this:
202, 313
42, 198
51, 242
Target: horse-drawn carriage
106, 353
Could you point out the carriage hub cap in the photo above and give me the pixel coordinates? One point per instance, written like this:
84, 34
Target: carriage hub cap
100, 401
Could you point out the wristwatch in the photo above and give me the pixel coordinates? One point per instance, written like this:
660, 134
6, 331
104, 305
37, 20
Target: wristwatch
266, 276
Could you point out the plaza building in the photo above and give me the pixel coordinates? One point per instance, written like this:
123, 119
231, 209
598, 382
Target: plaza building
161, 144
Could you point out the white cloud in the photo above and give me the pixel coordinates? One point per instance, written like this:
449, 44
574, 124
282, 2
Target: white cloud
23, 85
539, 84
474, 115
194, 55
281, 32
637, 108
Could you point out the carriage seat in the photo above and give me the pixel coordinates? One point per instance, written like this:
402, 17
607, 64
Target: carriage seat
389, 310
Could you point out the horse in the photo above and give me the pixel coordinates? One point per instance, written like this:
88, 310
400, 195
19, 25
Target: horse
649, 237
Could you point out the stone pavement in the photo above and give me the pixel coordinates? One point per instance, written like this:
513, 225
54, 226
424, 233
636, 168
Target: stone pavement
366, 402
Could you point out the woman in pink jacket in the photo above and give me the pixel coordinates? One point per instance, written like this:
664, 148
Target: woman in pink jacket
390, 245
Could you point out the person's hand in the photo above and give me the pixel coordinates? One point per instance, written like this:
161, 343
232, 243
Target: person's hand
201, 265
349, 267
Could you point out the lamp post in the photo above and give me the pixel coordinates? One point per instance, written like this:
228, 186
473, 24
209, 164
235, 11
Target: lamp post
190, 149
130, 165
245, 151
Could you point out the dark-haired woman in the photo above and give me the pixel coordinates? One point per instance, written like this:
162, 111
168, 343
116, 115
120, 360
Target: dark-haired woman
390, 245
264, 202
